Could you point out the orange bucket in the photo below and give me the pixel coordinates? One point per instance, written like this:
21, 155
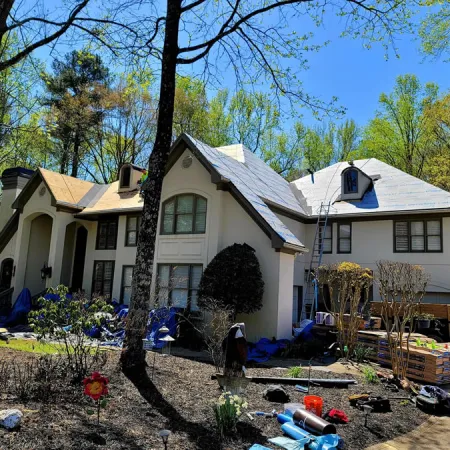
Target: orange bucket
314, 404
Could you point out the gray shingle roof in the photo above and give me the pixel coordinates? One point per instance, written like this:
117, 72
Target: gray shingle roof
395, 191
255, 181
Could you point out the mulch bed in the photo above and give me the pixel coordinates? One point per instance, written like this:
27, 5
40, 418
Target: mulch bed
181, 399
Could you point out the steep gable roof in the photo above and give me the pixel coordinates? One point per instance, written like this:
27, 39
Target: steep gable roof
251, 183
65, 191
393, 191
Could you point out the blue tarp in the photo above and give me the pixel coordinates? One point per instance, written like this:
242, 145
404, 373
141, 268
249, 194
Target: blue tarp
20, 310
158, 318
265, 348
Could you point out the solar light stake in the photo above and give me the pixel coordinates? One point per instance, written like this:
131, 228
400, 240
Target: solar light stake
367, 410
164, 435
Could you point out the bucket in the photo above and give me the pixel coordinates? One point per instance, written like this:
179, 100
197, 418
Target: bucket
320, 317
314, 404
329, 320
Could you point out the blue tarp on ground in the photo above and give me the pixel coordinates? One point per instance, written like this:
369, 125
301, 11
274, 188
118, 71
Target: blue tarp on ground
265, 348
20, 310
159, 318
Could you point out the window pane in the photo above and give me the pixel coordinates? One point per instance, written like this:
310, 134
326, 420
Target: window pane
169, 207
111, 240
344, 245
327, 246
132, 238
180, 276
434, 243
401, 228
163, 275
351, 181
196, 275
201, 205
184, 223
126, 295
434, 228
179, 298
108, 270
98, 271
185, 204
132, 223
107, 287
417, 229
417, 243
168, 223
200, 222
102, 233
328, 232
193, 299
344, 231
127, 276
401, 244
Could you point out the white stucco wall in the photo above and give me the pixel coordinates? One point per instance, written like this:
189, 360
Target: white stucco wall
373, 241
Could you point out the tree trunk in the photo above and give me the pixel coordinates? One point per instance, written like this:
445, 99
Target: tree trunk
133, 355
76, 154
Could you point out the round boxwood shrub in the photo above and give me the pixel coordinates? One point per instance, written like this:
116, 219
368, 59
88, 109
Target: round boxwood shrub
234, 280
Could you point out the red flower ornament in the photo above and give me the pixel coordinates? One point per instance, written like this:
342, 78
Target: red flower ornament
95, 386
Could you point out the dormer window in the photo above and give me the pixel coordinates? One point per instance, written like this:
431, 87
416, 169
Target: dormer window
351, 181
125, 177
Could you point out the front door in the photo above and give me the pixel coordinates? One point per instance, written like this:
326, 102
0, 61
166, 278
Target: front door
78, 260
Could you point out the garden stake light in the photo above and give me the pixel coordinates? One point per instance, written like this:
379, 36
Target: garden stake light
367, 410
164, 435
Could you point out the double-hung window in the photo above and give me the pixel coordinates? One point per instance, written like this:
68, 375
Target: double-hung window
132, 231
106, 234
326, 238
418, 236
103, 278
178, 285
344, 238
184, 214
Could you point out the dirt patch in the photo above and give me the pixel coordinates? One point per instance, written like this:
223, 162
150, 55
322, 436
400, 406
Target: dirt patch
181, 399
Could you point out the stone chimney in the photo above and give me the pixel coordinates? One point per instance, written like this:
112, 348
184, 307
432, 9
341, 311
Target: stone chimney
13, 181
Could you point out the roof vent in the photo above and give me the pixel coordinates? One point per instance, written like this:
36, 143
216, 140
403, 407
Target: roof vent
186, 162
351, 163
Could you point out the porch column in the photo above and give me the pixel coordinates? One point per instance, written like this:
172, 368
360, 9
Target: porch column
55, 256
285, 297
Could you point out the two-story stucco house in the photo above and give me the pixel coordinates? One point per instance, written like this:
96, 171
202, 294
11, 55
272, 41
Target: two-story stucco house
57, 229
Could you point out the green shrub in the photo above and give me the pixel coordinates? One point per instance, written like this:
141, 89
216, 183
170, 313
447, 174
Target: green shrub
227, 412
66, 322
233, 278
370, 375
361, 353
294, 372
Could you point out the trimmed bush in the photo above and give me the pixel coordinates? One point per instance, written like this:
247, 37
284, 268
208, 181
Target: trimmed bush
234, 280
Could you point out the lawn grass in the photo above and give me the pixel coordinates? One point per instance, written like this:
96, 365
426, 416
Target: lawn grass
31, 346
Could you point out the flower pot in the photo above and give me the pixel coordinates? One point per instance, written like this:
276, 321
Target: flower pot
423, 323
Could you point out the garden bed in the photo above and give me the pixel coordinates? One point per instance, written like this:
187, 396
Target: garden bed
181, 400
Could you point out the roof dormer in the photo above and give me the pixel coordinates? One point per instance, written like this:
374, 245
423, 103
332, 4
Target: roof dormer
130, 177
354, 183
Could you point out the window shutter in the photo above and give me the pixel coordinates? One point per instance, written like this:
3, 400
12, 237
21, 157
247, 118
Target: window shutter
401, 237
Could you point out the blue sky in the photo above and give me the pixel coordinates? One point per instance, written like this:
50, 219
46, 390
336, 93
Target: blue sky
355, 75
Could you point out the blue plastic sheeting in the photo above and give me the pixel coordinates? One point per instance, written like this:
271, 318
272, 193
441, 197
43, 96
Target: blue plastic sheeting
159, 318
20, 310
287, 443
265, 348
258, 447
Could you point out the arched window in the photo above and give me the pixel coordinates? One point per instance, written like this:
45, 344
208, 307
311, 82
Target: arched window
184, 214
125, 177
351, 181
